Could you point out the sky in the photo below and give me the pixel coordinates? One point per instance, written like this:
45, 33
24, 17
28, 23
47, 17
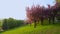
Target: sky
17, 8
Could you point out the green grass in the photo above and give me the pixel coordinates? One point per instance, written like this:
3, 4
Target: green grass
46, 29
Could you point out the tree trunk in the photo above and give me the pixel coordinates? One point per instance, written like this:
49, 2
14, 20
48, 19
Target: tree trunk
41, 20
49, 20
35, 24
53, 19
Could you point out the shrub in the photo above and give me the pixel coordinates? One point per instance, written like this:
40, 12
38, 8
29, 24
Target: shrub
11, 23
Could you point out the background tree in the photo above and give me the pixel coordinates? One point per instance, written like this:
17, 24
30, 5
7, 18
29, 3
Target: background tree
11, 23
40, 13
5, 25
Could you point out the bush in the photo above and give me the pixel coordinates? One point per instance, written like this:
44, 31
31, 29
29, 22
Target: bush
5, 25
11, 23
19, 22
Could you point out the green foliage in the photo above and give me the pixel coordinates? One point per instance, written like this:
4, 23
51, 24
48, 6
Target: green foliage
58, 1
1, 23
19, 22
11, 23
5, 25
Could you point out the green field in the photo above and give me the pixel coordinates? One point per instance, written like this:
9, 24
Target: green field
46, 29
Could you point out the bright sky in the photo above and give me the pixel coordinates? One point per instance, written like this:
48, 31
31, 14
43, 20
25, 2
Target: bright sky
16, 8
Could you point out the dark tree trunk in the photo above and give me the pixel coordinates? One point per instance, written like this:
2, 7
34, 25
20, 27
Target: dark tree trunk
49, 20
53, 19
38, 21
41, 20
35, 24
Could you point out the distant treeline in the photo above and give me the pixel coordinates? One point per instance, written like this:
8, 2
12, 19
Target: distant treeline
11, 23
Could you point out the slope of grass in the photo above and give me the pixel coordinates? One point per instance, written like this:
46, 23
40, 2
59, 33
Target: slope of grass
47, 29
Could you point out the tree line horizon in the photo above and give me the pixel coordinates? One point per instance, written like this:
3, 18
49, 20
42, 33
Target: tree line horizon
40, 13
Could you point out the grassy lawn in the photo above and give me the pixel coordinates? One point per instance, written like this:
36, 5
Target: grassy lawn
46, 29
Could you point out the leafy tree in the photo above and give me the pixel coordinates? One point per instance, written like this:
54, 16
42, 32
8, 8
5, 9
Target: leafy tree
11, 23
40, 13
5, 25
